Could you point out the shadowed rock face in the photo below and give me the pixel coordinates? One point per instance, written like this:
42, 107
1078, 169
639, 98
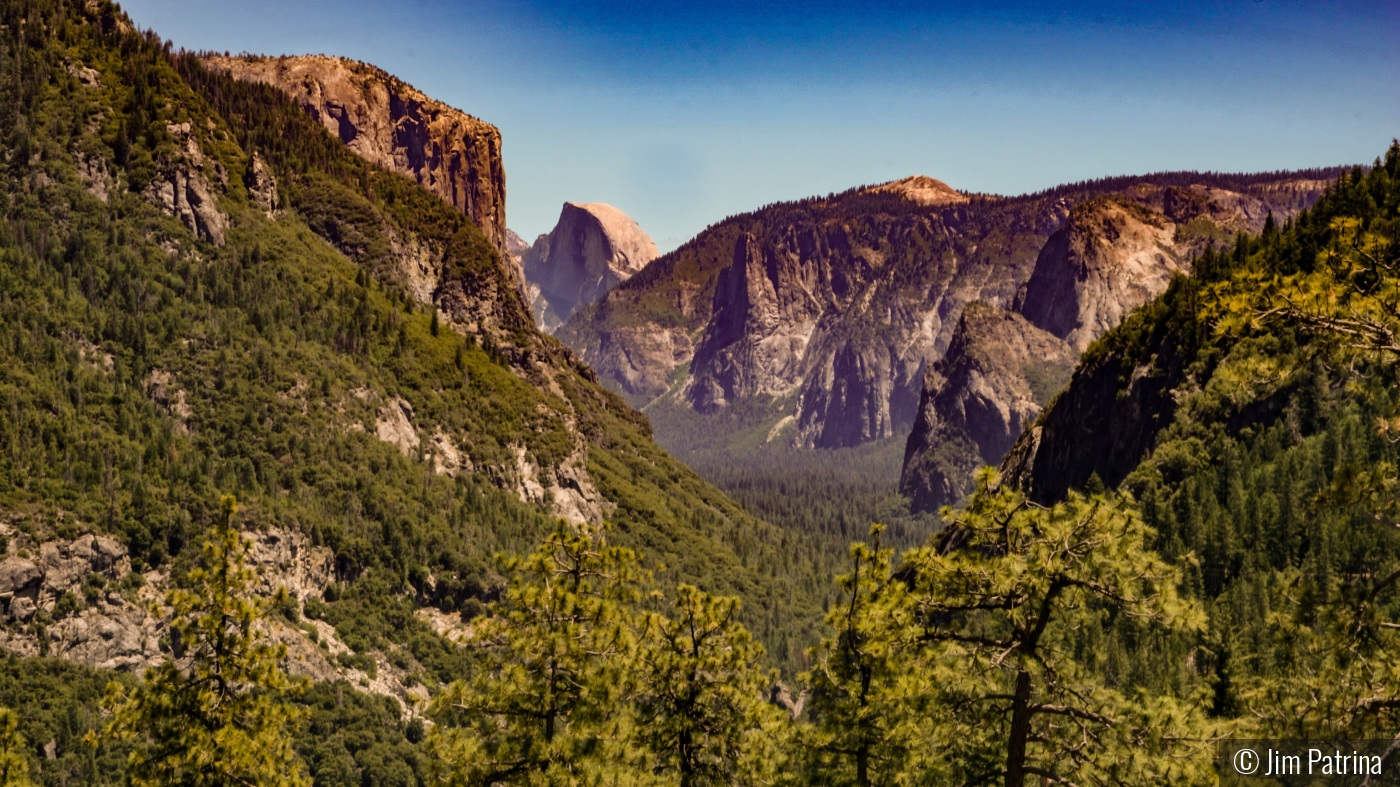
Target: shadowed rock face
764, 314
1113, 254
388, 122
592, 249
1111, 257
999, 371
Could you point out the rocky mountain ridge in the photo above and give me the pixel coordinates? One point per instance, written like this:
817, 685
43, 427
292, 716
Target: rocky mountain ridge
1114, 254
835, 308
390, 123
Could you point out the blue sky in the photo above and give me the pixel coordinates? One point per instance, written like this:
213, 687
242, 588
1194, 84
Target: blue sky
683, 113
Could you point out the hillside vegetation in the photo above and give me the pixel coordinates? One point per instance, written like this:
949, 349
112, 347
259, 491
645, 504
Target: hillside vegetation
167, 334
1250, 411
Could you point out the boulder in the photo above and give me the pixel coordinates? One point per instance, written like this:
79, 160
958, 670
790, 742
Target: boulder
17, 574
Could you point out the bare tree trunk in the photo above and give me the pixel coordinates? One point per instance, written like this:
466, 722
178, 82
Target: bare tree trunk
1020, 731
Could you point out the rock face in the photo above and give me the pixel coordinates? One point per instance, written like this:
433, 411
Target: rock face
516, 249
999, 371
262, 186
764, 314
100, 617
833, 306
390, 123
1111, 256
183, 189
592, 249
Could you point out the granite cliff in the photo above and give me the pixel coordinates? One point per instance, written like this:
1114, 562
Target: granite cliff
1111, 256
827, 313
593, 248
392, 124
998, 373
832, 305
1114, 253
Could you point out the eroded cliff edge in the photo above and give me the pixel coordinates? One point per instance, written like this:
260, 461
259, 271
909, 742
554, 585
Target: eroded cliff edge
390, 123
1114, 253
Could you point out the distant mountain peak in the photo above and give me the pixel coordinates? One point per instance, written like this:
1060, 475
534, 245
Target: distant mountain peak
921, 189
633, 248
593, 248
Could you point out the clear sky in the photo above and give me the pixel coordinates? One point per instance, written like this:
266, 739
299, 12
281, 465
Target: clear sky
683, 113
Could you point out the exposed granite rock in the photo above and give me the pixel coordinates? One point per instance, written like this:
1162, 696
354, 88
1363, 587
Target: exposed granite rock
392, 124
1110, 257
837, 305
516, 249
1114, 254
890, 279
1098, 425
592, 249
764, 315
997, 374
122, 626
183, 189
921, 189
262, 186
92, 170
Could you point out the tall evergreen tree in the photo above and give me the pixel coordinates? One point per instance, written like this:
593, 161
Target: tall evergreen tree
869, 688
1005, 606
547, 703
702, 712
221, 711
14, 766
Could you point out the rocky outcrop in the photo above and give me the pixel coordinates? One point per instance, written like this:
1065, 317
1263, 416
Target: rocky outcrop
998, 373
262, 186
921, 190
392, 124
183, 189
592, 249
764, 314
1111, 256
516, 249
100, 613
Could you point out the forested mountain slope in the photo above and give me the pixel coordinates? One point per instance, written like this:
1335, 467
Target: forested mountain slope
203, 291
1251, 411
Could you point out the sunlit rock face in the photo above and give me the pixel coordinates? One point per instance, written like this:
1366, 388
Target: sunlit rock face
392, 124
593, 248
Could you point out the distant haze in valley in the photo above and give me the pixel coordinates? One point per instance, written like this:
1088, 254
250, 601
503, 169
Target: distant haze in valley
680, 113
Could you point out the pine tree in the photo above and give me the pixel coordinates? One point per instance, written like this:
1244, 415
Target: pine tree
868, 684
220, 712
14, 766
547, 703
1337, 657
1005, 605
702, 713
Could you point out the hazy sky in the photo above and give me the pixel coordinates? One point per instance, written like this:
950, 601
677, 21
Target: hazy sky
683, 113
